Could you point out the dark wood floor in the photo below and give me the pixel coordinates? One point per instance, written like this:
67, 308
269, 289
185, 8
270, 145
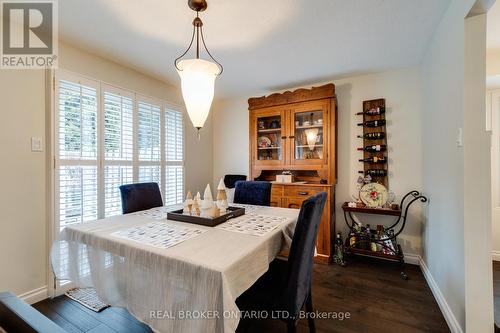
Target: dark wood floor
496, 290
377, 299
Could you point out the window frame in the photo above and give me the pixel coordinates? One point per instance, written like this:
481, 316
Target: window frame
100, 162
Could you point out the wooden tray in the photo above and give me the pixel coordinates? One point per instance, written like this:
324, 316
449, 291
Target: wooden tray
232, 212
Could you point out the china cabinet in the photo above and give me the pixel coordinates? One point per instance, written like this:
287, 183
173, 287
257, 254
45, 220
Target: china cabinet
295, 133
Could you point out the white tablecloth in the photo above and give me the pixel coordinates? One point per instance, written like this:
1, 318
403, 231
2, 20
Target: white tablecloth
203, 275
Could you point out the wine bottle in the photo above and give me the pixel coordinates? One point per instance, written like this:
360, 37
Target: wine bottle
373, 111
374, 148
374, 160
372, 136
373, 123
375, 172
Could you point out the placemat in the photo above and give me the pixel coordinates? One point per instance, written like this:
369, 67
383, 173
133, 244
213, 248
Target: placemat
253, 224
159, 234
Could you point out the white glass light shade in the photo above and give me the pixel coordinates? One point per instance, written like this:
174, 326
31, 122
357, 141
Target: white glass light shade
312, 136
197, 84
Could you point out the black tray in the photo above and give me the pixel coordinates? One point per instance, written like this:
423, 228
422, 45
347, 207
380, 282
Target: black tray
177, 215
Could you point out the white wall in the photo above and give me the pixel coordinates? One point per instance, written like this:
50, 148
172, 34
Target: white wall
400, 88
493, 62
24, 225
453, 175
22, 175
493, 103
477, 182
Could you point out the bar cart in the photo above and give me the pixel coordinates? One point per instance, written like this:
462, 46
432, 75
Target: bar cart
387, 247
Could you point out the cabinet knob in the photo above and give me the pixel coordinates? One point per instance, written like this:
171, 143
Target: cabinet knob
283, 137
302, 193
291, 137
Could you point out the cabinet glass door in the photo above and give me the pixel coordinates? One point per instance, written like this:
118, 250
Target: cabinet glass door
309, 141
269, 143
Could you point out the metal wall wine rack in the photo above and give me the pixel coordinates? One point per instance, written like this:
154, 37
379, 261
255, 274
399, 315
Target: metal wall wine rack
371, 105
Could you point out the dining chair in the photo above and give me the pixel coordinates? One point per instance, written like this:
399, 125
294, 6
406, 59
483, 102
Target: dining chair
253, 193
140, 196
286, 287
230, 180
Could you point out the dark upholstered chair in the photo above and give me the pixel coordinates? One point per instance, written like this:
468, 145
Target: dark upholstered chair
230, 180
286, 286
18, 316
253, 193
140, 196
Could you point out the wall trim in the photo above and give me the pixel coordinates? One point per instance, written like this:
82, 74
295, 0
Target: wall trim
35, 295
450, 318
495, 255
412, 259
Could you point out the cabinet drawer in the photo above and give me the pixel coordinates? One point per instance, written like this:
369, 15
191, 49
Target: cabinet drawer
277, 190
275, 201
294, 202
302, 191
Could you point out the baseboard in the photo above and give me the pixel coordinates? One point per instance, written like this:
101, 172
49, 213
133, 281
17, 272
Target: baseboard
35, 295
412, 259
450, 318
495, 255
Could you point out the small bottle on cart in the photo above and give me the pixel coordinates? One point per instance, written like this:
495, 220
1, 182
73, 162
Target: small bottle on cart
352, 239
339, 250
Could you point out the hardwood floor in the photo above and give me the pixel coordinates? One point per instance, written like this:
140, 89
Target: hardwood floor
377, 299
75, 318
496, 291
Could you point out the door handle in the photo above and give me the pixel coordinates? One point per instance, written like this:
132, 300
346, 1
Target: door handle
291, 137
283, 137
302, 193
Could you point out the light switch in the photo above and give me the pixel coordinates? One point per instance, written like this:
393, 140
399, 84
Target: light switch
460, 137
36, 144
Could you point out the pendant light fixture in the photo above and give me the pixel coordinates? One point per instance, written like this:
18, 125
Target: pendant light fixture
197, 75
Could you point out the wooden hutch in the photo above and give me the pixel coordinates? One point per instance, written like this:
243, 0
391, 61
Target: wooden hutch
296, 132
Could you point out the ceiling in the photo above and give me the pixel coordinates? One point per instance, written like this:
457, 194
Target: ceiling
264, 45
493, 29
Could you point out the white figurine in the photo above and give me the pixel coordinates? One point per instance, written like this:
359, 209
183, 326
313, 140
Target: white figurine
188, 204
222, 197
207, 203
196, 204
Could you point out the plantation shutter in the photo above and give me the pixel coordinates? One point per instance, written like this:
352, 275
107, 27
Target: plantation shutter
106, 137
174, 156
149, 138
118, 109
76, 151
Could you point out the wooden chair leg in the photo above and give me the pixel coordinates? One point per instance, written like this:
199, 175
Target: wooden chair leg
309, 309
291, 326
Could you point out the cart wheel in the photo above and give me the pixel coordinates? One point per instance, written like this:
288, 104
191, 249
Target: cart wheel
404, 276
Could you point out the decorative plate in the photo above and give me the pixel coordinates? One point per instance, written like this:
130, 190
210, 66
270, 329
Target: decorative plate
264, 142
373, 195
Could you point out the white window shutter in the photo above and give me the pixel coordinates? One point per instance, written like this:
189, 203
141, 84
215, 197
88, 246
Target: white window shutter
107, 137
118, 127
118, 146
174, 155
77, 121
149, 132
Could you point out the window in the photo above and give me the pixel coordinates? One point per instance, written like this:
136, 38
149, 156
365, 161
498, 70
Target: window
106, 137
174, 156
149, 142
118, 109
77, 152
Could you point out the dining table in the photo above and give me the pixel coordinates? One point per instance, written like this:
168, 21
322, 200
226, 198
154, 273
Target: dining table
174, 276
